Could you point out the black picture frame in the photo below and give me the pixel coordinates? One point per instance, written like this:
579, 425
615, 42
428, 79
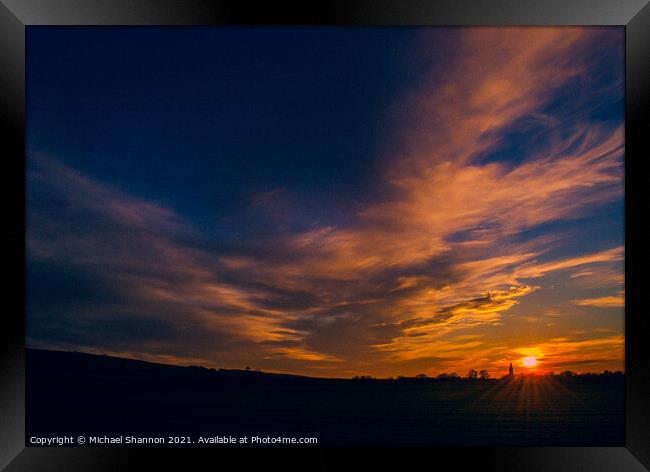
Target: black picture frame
16, 15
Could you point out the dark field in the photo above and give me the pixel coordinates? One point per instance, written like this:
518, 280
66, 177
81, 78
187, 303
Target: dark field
72, 393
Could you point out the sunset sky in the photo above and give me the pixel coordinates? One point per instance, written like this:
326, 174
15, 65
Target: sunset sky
328, 201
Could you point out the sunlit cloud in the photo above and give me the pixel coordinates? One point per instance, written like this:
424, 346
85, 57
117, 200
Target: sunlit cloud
603, 302
599, 276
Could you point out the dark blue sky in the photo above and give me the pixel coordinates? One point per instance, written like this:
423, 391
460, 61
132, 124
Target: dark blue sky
201, 119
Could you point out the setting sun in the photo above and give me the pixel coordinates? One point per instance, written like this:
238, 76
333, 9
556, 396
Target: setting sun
529, 361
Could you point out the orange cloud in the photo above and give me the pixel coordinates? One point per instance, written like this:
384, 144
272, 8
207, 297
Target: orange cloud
603, 302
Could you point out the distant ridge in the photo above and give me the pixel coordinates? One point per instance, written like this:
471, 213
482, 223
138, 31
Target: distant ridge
82, 359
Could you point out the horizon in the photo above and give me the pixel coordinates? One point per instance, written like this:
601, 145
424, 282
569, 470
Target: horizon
438, 376
387, 201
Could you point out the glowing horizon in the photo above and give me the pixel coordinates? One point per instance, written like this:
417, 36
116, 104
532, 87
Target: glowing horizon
475, 218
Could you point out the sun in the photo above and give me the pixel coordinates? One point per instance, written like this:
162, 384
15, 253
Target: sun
529, 361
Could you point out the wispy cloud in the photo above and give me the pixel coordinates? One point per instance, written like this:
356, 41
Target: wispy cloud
603, 302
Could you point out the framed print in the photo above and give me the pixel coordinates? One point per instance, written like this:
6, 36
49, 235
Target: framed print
365, 227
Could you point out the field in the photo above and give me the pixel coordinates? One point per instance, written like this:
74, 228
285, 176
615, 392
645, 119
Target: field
72, 393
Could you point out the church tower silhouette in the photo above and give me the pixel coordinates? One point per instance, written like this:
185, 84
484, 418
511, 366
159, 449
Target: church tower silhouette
511, 371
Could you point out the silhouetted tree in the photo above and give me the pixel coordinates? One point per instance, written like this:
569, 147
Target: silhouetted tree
483, 374
422, 376
472, 374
